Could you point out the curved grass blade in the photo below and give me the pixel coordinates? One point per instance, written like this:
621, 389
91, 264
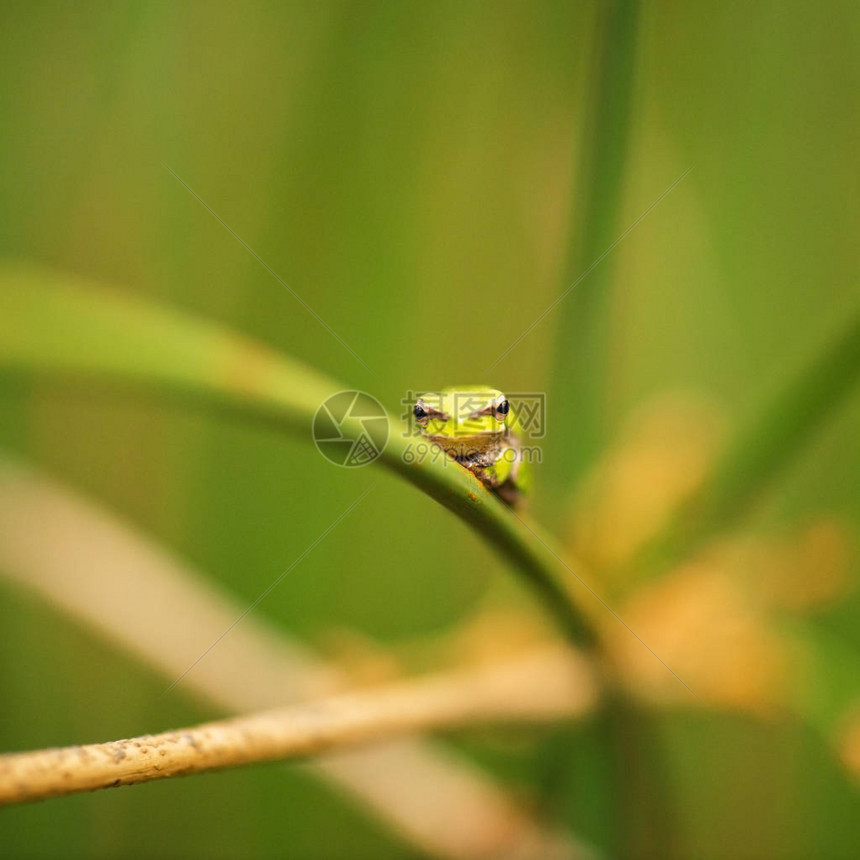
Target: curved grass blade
51, 325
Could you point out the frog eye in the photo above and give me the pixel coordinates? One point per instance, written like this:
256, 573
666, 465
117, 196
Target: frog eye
503, 407
423, 412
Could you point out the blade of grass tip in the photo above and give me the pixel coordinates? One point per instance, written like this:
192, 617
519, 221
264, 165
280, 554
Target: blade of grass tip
66, 330
762, 451
578, 379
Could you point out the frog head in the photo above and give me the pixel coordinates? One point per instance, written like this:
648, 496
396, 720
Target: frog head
464, 420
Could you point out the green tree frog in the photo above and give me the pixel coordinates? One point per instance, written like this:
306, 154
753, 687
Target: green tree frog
476, 426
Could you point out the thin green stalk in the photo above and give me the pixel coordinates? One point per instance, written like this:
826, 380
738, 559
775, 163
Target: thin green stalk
769, 443
579, 378
580, 375
761, 451
71, 331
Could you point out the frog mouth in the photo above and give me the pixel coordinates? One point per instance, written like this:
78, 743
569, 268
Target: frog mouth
467, 447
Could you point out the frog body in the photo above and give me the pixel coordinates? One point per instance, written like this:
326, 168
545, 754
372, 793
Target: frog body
476, 426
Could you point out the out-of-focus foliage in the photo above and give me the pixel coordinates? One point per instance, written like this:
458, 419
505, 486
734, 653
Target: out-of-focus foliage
413, 171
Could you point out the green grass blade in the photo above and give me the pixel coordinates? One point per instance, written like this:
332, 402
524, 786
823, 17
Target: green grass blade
583, 323
762, 451
768, 444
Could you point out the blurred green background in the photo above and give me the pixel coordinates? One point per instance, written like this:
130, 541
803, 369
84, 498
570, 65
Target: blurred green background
429, 177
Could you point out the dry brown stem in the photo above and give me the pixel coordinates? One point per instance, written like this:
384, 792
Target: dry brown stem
547, 686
